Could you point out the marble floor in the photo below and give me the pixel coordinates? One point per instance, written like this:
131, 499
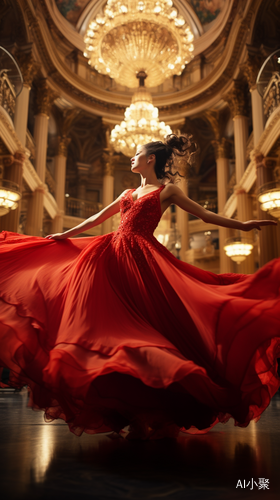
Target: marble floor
41, 460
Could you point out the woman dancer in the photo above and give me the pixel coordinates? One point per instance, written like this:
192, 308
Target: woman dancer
114, 331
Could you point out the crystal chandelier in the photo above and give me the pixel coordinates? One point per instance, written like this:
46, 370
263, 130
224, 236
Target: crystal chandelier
269, 198
129, 36
238, 249
140, 125
9, 196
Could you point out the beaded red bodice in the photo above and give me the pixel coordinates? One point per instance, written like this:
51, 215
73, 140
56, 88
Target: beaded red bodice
140, 216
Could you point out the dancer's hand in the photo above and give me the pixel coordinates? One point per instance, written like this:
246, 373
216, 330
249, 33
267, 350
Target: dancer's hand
57, 236
256, 224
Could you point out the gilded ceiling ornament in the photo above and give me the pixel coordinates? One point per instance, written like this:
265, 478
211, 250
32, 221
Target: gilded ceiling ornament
129, 36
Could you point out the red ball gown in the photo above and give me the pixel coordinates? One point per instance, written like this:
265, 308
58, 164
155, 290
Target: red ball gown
113, 330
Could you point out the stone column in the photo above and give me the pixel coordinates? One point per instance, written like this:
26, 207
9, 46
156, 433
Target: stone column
108, 187
28, 70
267, 247
60, 175
237, 100
251, 69
10, 221
13, 173
44, 99
222, 153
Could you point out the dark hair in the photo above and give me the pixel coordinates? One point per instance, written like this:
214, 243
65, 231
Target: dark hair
166, 152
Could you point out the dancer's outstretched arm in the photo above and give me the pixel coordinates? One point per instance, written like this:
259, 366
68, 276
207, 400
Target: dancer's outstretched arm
92, 221
175, 195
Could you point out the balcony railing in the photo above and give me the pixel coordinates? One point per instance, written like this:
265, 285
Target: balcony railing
271, 98
81, 208
7, 94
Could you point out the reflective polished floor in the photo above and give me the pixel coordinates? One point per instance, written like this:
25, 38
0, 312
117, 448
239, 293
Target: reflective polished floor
40, 460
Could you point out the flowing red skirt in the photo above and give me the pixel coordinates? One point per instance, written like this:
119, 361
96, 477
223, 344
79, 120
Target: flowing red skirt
104, 339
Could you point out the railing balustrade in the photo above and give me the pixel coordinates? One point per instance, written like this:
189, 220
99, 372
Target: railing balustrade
81, 208
271, 98
7, 93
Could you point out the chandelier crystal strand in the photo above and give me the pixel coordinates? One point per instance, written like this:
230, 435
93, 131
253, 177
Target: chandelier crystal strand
238, 249
9, 196
140, 125
129, 36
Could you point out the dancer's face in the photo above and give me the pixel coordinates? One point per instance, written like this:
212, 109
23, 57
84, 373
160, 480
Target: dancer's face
141, 162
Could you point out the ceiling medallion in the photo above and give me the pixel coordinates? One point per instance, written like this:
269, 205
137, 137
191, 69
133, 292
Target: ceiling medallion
140, 125
130, 36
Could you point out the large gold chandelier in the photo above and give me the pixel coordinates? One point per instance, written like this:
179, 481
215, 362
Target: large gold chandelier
129, 36
140, 125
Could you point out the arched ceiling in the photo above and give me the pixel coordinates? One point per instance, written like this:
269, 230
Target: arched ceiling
207, 11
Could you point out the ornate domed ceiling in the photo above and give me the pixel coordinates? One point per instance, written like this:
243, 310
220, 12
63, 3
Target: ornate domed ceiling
206, 10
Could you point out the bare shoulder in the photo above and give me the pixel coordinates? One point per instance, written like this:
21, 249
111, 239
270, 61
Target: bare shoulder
123, 193
171, 190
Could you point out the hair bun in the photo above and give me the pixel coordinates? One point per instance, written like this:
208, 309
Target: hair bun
166, 152
179, 144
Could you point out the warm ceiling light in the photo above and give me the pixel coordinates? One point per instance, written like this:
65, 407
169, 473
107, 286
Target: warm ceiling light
9, 196
269, 198
238, 249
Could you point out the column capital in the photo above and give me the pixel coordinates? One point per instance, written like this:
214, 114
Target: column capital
44, 97
108, 163
62, 145
28, 66
251, 70
237, 99
222, 148
252, 65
